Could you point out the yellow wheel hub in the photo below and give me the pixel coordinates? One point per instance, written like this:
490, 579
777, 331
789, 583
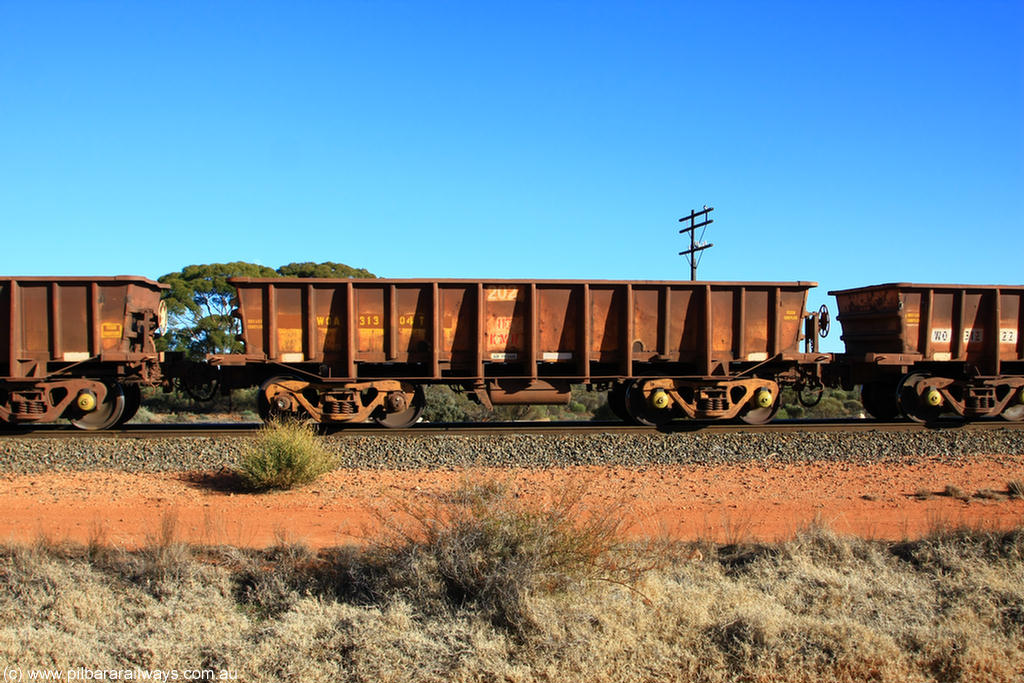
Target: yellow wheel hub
764, 399
86, 401
660, 400
933, 398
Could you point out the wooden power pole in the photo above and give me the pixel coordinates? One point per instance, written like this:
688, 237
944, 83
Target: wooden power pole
696, 246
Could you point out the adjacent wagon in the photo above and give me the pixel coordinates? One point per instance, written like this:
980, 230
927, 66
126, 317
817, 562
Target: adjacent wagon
351, 350
922, 350
77, 347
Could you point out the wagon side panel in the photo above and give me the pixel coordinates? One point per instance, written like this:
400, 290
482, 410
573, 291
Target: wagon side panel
684, 327
558, 321
6, 348
724, 322
505, 323
871, 320
461, 336
330, 320
1011, 325
112, 300
35, 327
252, 311
648, 319
609, 329
75, 330
792, 302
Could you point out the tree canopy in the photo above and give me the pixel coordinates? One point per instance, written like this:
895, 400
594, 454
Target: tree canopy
201, 299
326, 269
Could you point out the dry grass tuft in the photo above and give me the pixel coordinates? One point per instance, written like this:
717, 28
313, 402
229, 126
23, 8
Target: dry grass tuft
989, 494
479, 586
284, 455
956, 492
923, 494
481, 548
1015, 488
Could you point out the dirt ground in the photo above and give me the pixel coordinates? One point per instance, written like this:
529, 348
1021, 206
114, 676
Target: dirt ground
721, 503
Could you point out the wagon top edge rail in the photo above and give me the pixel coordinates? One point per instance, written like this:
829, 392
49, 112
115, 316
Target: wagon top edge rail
518, 281
919, 285
101, 279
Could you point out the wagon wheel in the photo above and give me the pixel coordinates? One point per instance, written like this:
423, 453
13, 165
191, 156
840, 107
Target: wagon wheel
263, 407
410, 396
1015, 411
132, 402
759, 416
267, 411
879, 400
106, 414
199, 383
915, 406
617, 401
641, 411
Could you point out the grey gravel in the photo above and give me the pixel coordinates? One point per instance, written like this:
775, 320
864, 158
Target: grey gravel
190, 453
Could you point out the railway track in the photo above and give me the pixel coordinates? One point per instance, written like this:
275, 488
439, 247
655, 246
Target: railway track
220, 430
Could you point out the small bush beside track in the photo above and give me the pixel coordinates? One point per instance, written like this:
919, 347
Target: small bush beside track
284, 455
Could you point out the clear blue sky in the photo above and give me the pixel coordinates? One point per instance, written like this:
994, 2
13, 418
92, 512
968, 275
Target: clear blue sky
847, 143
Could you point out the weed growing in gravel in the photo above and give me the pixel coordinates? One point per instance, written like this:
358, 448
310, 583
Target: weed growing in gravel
284, 455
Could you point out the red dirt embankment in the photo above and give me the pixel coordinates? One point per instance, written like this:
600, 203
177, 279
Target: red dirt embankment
721, 503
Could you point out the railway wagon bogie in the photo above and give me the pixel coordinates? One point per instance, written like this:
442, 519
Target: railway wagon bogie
353, 350
390, 403
657, 401
926, 350
77, 348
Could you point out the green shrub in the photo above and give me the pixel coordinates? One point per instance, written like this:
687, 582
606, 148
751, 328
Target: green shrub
284, 455
834, 403
178, 402
791, 412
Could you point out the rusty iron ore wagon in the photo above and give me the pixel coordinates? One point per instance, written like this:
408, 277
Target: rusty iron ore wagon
349, 350
77, 347
927, 349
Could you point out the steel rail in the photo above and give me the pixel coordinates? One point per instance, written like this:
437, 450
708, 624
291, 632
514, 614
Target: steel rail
250, 429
